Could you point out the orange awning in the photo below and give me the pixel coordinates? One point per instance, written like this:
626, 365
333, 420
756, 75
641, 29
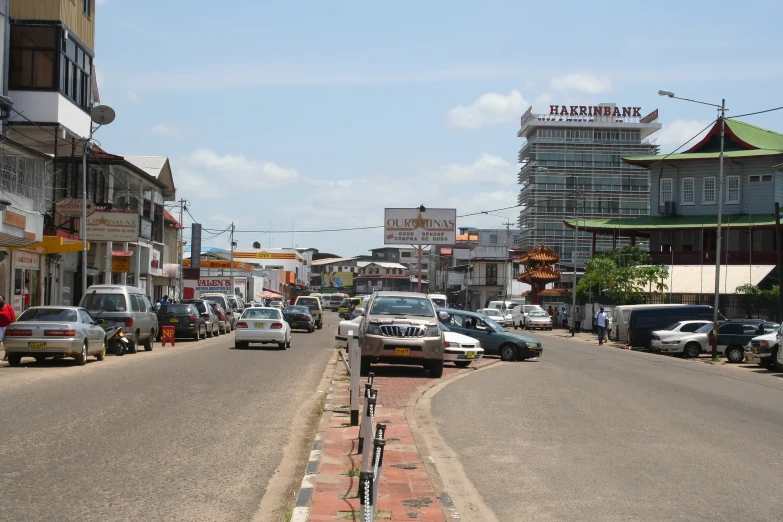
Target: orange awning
58, 245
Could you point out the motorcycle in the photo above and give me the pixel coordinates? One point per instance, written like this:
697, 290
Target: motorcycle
116, 342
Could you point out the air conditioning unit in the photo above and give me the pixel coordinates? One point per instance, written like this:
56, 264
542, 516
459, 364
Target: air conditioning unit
668, 208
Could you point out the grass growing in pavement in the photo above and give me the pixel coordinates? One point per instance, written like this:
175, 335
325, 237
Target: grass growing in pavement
353, 472
289, 514
319, 408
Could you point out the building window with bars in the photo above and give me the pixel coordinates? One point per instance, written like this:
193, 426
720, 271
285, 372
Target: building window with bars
687, 192
708, 193
732, 189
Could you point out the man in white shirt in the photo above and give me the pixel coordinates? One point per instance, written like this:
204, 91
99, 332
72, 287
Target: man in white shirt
601, 320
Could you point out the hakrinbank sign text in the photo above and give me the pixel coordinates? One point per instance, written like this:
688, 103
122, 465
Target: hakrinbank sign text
411, 226
113, 226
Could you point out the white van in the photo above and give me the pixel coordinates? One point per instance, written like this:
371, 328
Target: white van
502, 305
619, 320
439, 300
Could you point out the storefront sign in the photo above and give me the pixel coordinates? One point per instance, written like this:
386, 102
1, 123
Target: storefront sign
595, 111
213, 284
455, 279
26, 260
412, 226
336, 279
72, 207
580, 258
195, 245
14, 219
264, 255
113, 226
527, 115
121, 264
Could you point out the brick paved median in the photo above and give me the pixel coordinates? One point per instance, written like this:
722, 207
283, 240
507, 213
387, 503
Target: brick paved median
405, 492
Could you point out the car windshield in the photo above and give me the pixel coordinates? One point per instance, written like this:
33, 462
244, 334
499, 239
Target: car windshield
705, 329
219, 299
672, 326
49, 314
261, 313
538, 314
175, 309
403, 305
200, 306
96, 302
310, 302
439, 302
296, 310
492, 312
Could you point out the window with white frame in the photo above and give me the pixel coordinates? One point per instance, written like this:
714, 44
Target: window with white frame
687, 191
732, 189
708, 192
493, 239
665, 191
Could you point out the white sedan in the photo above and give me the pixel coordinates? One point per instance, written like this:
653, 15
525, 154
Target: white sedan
460, 349
262, 325
685, 337
496, 315
538, 319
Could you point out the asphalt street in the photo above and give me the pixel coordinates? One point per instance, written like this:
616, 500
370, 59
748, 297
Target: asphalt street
602, 434
192, 432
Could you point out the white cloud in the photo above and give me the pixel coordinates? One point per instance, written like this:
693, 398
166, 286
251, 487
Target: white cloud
167, 130
676, 133
489, 109
133, 97
488, 169
582, 82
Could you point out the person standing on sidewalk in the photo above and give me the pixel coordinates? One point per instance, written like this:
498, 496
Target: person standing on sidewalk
6, 317
600, 321
563, 318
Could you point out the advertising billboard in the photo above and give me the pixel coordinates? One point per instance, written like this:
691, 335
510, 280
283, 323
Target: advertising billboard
336, 279
414, 226
195, 246
113, 225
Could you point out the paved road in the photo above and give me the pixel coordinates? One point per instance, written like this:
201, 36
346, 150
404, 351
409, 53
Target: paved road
192, 432
603, 434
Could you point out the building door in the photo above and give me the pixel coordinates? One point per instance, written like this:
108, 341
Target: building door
27, 289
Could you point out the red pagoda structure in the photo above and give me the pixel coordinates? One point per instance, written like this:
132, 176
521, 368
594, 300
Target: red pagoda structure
539, 269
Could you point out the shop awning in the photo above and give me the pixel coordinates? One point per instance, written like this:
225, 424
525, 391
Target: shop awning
58, 245
266, 294
121, 253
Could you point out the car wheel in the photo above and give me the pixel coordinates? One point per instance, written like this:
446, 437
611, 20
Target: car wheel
282, 346
462, 364
81, 359
14, 360
735, 354
102, 354
692, 351
436, 369
210, 333
365, 367
149, 343
240, 345
508, 352
288, 343
197, 336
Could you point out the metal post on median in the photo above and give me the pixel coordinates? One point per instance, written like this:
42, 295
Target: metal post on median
367, 426
355, 358
365, 496
378, 447
368, 393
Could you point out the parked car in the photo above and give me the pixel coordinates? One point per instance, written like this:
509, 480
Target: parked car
643, 322
537, 319
299, 318
225, 304
401, 328
185, 319
314, 304
460, 349
126, 306
620, 315
493, 337
501, 305
211, 320
54, 331
519, 312
439, 300
263, 325
223, 321
765, 350
734, 336
494, 314
689, 338
237, 306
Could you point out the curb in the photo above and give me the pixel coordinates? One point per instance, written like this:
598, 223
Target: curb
304, 496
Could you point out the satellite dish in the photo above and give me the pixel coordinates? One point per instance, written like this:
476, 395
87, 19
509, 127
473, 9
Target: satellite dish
102, 114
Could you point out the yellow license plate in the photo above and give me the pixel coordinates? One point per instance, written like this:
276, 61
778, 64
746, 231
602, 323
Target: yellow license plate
174, 320
402, 351
37, 346
470, 355
259, 325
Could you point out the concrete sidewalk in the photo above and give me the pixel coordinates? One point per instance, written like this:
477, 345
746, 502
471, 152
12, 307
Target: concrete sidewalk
406, 492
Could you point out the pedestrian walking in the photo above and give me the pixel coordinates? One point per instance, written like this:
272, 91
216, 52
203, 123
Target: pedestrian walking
6, 317
563, 318
577, 319
601, 320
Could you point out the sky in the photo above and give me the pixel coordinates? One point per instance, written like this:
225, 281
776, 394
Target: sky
313, 115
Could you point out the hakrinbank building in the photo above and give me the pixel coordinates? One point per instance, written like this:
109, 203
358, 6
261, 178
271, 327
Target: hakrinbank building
573, 154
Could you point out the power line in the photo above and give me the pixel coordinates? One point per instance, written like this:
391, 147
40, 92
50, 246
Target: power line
754, 113
684, 144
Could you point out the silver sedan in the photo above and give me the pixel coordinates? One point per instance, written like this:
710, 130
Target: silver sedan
54, 331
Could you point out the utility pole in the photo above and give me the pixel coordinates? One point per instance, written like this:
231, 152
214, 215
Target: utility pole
231, 289
573, 256
715, 312
505, 265
182, 248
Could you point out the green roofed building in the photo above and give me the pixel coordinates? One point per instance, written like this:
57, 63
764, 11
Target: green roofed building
681, 227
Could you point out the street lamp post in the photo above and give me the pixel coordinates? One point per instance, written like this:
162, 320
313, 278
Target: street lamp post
100, 115
722, 109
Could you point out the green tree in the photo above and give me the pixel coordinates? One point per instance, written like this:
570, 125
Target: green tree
624, 274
